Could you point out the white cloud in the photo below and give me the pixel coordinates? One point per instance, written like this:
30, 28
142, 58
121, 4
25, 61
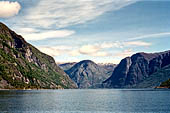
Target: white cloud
54, 50
50, 51
89, 49
95, 50
137, 43
9, 9
124, 53
25, 30
119, 44
64, 13
116, 44
156, 35
74, 53
100, 54
99, 49
46, 34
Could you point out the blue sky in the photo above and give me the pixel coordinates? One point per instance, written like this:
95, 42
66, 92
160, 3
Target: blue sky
102, 31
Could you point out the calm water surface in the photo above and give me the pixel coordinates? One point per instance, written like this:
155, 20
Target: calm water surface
85, 101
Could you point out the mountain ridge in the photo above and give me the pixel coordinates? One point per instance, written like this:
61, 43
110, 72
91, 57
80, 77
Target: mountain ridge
135, 69
24, 66
87, 74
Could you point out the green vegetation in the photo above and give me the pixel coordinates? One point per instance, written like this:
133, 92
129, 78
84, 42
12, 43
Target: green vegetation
165, 84
19, 73
5, 38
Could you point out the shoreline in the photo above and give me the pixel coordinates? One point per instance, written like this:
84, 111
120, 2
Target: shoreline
156, 88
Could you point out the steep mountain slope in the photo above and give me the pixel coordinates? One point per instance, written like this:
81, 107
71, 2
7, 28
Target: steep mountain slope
155, 79
87, 74
165, 84
137, 68
66, 66
24, 66
109, 67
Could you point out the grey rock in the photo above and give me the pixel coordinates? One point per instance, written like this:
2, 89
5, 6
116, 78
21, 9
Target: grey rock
88, 74
21, 63
136, 69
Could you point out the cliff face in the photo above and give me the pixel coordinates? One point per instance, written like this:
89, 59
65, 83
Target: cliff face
87, 74
24, 66
135, 69
155, 79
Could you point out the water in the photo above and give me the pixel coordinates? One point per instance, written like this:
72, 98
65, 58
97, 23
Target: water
85, 101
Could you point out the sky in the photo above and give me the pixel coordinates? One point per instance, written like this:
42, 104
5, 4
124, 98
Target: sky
104, 31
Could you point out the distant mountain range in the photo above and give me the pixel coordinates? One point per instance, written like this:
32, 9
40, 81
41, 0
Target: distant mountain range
87, 74
141, 70
66, 66
22, 66
108, 66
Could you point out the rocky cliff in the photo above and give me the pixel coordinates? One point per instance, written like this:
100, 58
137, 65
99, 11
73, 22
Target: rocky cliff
23, 66
156, 79
88, 74
137, 69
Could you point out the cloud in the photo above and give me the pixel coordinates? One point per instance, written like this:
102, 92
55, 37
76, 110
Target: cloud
100, 54
9, 9
45, 15
137, 43
45, 34
119, 44
95, 50
59, 50
124, 53
99, 49
54, 50
64, 13
89, 49
74, 53
123, 44
157, 35
50, 51
25, 30
116, 44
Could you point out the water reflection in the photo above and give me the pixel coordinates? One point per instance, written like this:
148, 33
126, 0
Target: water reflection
84, 101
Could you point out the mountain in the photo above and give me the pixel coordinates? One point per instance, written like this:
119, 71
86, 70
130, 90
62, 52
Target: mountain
140, 70
87, 74
23, 66
108, 66
165, 84
66, 66
155, 79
